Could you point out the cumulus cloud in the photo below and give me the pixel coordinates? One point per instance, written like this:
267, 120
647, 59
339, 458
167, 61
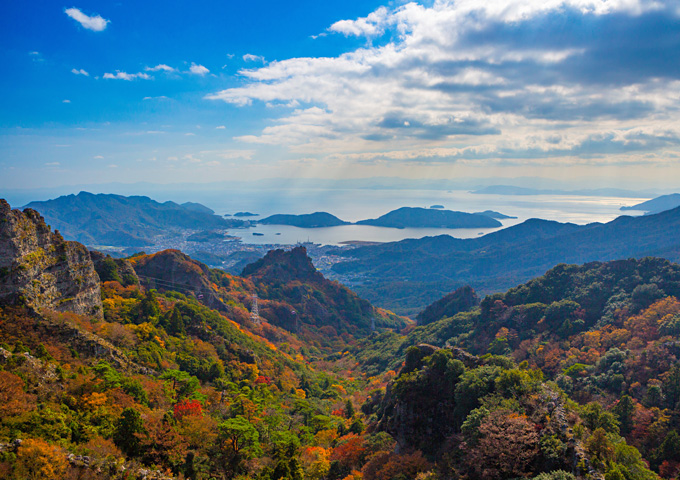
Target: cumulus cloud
66, 101
499, 77
95, 23
370, 26
249, 57
160, 68
198, 69
126, 76
79, 72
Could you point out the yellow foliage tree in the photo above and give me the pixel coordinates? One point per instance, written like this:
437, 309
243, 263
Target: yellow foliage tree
37, 460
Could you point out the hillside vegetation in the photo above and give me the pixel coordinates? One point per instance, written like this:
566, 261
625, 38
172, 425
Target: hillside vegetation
573, 375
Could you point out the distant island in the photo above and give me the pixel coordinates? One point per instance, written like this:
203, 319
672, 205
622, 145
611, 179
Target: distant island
657, 205
437, 207
246, 214
415, 217
116, 220
492, 214
595, 192
310, 220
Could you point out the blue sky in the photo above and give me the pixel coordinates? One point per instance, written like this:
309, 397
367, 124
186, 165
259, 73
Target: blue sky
205, 91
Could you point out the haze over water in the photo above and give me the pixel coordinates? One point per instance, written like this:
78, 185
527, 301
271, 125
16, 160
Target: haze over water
353, 205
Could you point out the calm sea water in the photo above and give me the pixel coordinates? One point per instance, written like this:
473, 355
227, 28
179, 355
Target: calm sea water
353, 205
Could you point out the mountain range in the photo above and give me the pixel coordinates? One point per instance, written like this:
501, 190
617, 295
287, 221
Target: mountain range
157, 367
107, 219
397, 275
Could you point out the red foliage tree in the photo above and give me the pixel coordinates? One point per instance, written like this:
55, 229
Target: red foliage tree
187, 408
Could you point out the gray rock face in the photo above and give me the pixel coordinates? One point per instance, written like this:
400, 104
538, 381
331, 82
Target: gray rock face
42, 270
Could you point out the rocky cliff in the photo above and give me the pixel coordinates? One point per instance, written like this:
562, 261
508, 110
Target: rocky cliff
42, 270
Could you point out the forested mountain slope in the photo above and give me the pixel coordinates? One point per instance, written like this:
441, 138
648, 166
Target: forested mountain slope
395, 275
105, 219
574, 375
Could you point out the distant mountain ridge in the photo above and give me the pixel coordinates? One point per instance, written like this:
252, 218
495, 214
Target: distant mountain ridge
394, 275
657, 205
107, 219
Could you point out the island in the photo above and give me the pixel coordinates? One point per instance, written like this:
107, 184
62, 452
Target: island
437, 207
496, 215
415, 217
309, 220
246, 214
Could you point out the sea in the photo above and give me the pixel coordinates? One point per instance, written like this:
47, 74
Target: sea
358, 204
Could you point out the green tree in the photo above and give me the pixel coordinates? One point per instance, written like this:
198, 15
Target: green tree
238, 442
349, 409
128, 427
624, 410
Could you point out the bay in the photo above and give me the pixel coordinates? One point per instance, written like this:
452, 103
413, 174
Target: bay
358, 204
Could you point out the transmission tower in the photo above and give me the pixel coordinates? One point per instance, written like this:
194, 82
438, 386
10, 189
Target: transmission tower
255, 312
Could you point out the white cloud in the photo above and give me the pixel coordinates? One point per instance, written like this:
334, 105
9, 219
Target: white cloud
98, 157
370, 26
198, 69
52, 164
463, 74
94, 23
160, 97
230, 154
113, 165
79, 72
66, 101
249, 57
160, 67
220, 127
126, 76
36, 56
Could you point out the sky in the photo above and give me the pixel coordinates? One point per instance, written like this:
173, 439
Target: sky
205, 91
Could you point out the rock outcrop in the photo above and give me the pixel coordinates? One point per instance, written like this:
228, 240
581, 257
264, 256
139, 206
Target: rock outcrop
42, 270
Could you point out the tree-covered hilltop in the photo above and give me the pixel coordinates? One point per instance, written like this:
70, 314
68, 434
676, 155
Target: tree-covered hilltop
292, 296
106, 219
406, 276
